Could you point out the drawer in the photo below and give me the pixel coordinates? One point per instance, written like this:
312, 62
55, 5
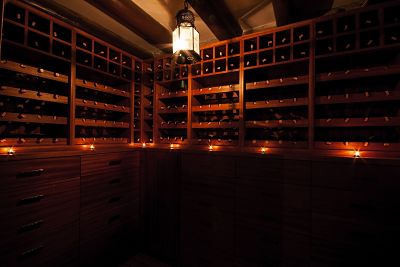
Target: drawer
107, 201
58, 249
37, 198
112, 163
94, 184
107, 222
31, 172
59, 208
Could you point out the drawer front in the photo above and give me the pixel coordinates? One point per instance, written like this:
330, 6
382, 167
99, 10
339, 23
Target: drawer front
95, 186
113, 163
31, 172
106, 223
44, 211
58, 249
28, 200
108, 201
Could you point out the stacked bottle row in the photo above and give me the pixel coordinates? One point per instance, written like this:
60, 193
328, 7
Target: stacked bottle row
172, 112
33, 105
219, 58
280, 46
23, 27
102, 112
144, 106
366, 29
166, 71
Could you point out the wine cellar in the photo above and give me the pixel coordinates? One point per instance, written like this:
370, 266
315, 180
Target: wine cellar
279, 147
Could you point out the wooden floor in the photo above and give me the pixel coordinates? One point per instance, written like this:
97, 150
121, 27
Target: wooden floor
141, 260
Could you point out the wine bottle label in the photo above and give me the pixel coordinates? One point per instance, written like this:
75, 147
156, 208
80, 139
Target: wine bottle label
283, 40
18, 16
33, 23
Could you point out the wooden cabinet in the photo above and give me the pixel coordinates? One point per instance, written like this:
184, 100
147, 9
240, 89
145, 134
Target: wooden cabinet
109, 213
207, 210
161, 198
39, 207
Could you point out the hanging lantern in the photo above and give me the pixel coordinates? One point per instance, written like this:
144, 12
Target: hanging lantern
185, 38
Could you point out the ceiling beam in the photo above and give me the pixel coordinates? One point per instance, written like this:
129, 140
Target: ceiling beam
134, 18
72, 18
218, 18
290, 11
281, 10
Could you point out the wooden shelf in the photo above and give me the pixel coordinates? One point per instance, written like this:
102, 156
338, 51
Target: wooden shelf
354, 146
214, 125
359, 98
277, 144
101, 140
215, 107
100, 105
101, 123
295, 102
172, 126
32, 141
35, 95
175, 94
101, 88
32, 118
358, 73
284, 81
38, 72
216, 89
215, 142
173, 110
276, 123
359, 122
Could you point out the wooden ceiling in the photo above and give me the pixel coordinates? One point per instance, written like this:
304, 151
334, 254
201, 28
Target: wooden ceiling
144, 27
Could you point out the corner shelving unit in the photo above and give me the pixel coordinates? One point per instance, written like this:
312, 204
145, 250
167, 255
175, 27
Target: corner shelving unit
171, 99
276, 71
61, 85
357, 85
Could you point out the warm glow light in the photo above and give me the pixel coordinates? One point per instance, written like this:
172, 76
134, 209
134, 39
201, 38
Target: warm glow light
144, 145
171, 146
210, 148
92, 147
357, 154
10, 151
263, 150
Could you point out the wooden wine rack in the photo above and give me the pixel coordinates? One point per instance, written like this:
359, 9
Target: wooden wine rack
87, 84
286, 77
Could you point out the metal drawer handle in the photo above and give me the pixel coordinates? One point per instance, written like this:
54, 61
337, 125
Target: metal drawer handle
31, 252
115, 181
114, 199
114, 218
114, 162
32, 173
30, 227
30, 200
